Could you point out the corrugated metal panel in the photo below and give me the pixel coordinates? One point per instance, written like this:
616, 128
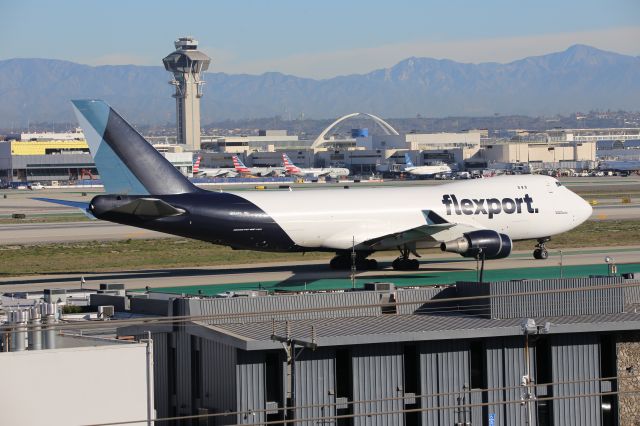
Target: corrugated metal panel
141, 305
632, 293
30, 161
453, 376
576, 357
505, 367
444, 368
315, 384
420, 296
383, 325
515, 366
429, 382
343, 331
494, 364
183, 373
250, 390
377, 374
275, 304
475, 398
546, 302
182, 368
160, 373
219, 380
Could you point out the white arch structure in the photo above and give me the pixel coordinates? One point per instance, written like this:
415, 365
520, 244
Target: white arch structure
386, 127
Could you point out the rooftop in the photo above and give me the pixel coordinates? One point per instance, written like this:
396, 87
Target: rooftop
402, 328
466, 310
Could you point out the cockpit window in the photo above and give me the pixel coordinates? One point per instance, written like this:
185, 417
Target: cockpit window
558, 183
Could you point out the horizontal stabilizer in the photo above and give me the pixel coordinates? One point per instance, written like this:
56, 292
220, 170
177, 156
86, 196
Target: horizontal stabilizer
84, 206
149, 207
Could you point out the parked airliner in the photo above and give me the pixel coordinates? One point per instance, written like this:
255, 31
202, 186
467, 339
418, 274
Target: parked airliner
293, 170
207, 172
255, 171
426, 170
478, 218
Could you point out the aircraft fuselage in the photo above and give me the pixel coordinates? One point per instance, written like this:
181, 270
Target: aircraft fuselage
523, 207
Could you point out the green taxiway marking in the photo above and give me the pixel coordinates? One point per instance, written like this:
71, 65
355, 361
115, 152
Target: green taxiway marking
415, 279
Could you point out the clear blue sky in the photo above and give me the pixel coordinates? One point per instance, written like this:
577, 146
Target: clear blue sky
316, 39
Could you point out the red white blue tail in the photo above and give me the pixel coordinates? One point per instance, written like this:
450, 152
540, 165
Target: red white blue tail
289, 167
239, 166
196, 165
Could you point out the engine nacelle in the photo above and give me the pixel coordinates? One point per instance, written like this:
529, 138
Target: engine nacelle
484, 243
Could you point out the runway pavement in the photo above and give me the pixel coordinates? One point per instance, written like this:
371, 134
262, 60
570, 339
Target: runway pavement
438, 268
64, 232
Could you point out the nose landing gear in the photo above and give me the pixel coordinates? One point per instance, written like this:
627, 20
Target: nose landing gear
541, 252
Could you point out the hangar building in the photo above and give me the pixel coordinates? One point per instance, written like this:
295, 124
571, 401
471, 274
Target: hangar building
545, 352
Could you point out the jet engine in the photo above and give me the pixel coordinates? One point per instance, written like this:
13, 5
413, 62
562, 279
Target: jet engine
484, 243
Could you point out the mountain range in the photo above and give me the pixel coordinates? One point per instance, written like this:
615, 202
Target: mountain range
580, 78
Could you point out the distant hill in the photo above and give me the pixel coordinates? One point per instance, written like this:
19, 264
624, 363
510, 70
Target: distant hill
580, 78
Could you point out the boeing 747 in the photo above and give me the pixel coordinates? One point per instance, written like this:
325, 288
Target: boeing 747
477, 219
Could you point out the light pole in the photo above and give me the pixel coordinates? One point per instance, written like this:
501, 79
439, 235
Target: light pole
353, 263
561, 259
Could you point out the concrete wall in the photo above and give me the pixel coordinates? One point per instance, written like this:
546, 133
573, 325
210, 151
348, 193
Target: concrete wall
419, 141
386, 142
87, 385
547, 153
5, 156
300, 158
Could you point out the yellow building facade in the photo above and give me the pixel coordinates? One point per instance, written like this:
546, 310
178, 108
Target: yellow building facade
48, 147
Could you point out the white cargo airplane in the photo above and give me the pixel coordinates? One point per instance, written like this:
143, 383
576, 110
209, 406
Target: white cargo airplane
294, 170
428, 170
477, 219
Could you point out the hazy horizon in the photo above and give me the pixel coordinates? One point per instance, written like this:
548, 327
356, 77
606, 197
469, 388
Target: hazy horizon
315, 40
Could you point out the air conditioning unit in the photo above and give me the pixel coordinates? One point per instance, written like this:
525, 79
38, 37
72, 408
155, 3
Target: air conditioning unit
105, 312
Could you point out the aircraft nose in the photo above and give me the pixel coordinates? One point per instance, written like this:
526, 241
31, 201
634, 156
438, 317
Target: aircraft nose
584, 210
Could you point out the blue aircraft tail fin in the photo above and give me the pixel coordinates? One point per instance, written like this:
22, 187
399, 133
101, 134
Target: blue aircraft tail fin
126, 162
407, 160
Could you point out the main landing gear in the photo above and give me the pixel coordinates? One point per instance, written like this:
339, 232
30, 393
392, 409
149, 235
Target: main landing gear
343, 261
403, 263
541, 252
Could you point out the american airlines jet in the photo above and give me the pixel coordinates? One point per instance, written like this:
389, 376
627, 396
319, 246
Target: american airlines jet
477, 219
255, 171
294, 170
207, 172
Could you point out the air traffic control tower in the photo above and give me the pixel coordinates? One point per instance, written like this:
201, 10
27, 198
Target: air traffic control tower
187, 64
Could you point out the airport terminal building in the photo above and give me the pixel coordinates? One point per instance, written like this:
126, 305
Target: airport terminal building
64, 157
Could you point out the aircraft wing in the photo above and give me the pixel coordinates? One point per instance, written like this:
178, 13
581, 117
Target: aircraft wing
83, 206
435, 229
